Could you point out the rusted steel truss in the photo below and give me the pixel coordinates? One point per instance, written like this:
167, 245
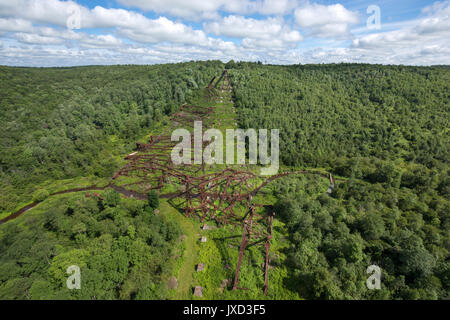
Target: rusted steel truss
225, 79
259, 228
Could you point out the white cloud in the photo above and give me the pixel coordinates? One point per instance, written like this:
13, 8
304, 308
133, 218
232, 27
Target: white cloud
41, 11
430, 31
163, 29
208, 9
130, 24
267, 44
37, 39
181, 8
31, 55
326, 21
277, 7
34, 32
52, 36
101, 41
437, 19
48, 56
271, 32
15, 25
422, 41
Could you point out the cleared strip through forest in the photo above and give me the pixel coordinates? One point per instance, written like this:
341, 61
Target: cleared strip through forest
155, 142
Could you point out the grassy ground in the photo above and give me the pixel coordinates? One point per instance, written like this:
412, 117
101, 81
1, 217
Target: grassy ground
185, 267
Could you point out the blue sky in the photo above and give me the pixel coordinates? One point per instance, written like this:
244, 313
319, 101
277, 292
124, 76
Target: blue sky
83, 32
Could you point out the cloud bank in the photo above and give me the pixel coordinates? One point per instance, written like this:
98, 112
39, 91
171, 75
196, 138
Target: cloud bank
61, 33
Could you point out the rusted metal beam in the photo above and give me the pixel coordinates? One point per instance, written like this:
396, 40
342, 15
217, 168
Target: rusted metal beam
245, 235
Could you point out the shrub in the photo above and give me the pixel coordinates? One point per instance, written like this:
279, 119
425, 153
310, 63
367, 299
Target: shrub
153, 199
40, 195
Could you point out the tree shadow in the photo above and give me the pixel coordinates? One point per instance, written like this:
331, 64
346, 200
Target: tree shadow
300, 283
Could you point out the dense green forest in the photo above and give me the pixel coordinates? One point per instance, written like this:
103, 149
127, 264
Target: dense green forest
386, 129
329, 113
120, 245
382, 130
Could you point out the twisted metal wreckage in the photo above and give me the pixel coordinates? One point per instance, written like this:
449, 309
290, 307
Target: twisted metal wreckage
211, 196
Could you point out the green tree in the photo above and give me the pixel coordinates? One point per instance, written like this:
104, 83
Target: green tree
111, 198
40, 195
153, 199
